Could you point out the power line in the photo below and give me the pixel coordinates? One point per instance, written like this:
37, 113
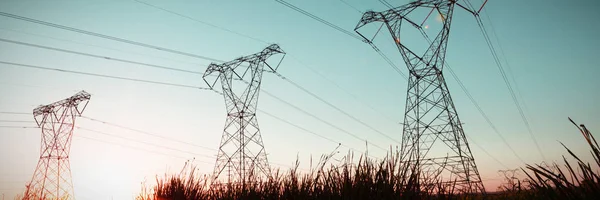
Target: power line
202, 22
388, 60
320, 20
351, 6
486, 152
483, 114
19, 127
106, 36
510, 73
17, 121
37, 86
132, 147
98, 46
104, 57
346, 91
101, 75
335, 107
172, 12
306, 130
376, 49
144, 132
24, 121
479, 109
313, 116
321, 120
146, 143
244, 35
352, 35
151, 144
114, 59
282, 77
142, 142
97, 56
123, 127
16, 113
156, 145
140, 44
84, 73
507, 83
384, 2
468, 3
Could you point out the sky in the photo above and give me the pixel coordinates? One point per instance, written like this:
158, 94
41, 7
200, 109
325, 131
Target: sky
548, 49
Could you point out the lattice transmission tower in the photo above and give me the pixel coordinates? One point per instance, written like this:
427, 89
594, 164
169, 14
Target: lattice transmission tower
433, 141
52, 176
242, 154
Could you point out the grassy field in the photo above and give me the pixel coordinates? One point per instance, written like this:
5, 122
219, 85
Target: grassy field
387, 179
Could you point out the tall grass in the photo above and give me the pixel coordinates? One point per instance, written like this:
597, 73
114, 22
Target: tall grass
577, 180
187, 184
384, 179
365, 179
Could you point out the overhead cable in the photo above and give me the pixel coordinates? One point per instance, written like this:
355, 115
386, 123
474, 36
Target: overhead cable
102, 75
97, 56
106, 36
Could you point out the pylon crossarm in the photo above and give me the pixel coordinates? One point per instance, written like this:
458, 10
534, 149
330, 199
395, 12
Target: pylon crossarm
399, 14
228, 69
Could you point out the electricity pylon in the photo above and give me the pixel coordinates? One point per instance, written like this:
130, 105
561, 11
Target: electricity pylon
52, 176
434, 145
242, 154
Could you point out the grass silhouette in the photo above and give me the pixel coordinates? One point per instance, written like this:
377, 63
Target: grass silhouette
385, 179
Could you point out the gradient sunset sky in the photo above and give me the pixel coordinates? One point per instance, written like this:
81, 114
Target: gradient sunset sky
551, 48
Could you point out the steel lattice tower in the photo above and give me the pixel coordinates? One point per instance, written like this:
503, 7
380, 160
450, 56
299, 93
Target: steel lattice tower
433, 141
242, 153
52, 176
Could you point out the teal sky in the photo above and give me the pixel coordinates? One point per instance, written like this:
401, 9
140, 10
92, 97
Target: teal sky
550, 46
